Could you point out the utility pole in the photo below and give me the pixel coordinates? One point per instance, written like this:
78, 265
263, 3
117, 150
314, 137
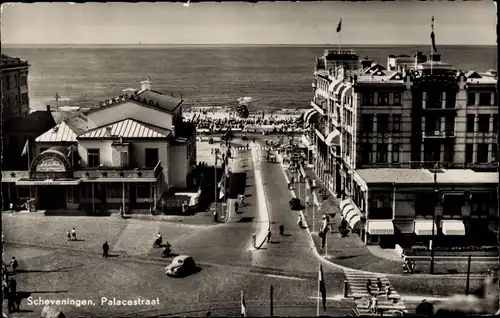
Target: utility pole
271, 309
467, 284
434, 219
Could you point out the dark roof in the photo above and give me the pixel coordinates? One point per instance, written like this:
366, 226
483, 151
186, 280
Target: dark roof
158, 99
37, 123
7, 62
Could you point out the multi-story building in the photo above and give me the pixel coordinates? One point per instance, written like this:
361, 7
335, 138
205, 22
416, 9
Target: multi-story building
375, 130
15, 99
128, 151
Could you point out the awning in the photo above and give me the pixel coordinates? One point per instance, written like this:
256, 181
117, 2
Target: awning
344, 203
453, 227
424, 227
380, 227
404, 226
309, 115
355, 221
332, 140
25, 182
116, 180
351, 212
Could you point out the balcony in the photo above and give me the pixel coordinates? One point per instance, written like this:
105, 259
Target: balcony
438, 107
436, 134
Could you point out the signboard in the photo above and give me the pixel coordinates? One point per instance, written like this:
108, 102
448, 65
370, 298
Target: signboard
50, 165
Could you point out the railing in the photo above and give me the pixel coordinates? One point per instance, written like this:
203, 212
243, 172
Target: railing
438, 134
115, 173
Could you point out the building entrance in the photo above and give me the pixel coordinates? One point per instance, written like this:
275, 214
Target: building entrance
51, 197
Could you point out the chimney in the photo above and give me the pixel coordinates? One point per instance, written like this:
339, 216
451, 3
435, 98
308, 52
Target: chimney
366, 62
146, 84
48, 108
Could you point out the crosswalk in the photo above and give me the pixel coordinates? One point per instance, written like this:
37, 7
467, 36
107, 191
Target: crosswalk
358, 290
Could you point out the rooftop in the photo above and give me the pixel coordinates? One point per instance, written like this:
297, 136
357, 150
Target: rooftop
127, 128
35, 123
425, 176
161, 100
9, 62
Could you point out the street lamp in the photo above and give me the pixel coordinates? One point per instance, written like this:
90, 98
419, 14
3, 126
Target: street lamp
434, 219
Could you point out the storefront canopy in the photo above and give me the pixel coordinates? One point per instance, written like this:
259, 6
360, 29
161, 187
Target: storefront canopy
424, 227
380, 227
29, 182
453, 227
333, 138
310, 117
350, 213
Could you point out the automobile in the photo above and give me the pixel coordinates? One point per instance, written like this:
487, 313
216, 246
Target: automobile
181, 265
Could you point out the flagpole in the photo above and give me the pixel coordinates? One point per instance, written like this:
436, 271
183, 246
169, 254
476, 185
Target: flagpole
29, 164
319, 271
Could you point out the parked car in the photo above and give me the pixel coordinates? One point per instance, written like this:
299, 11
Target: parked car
181, 265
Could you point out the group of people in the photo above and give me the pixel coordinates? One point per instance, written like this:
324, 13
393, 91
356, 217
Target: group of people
71, 234
215, 124
375, 291
408, 266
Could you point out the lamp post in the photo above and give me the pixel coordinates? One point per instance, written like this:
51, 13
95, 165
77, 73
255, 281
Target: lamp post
216, 152
434, 219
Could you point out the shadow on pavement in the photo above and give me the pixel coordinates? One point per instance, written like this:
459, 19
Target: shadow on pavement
246, 219
42, 292
76, 213
237, 184
195, 271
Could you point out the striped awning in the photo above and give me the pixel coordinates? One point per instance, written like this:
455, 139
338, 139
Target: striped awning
380, 227
343, 204
310, 116
453, 227
424, 227
350, 213
332, 138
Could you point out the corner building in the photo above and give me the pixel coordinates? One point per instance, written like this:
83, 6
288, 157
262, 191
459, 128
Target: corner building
400, 142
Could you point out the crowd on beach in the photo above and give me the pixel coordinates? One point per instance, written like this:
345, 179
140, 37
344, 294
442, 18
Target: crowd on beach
216, 120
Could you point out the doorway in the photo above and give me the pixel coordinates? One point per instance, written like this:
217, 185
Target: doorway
51, 197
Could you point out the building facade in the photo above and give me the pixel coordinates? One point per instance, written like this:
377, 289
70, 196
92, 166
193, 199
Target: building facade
126, 152
414, 114
15, 98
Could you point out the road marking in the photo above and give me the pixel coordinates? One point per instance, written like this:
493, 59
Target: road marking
420, 298
263, 214
284, 277
337, 297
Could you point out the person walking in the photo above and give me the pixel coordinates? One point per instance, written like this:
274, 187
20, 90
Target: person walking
282, 230
69, 235
12, 295
269, 235
73, 234
373, 305
105, 249
11, 206
379, 285
14, 264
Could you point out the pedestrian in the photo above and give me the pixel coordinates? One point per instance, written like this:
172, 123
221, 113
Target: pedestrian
12, 286
12, 296
369, 286
3, 238
73, 233
379, 285
11, 206
269, 235
373, 305
69, 235
387, 290
236, 206
289, 185
282, 230
105, 249
121, 212
14, 264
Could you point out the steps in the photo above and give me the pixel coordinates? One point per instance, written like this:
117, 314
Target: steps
358, 291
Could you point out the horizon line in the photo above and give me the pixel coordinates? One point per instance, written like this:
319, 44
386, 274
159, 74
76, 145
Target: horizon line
237, 44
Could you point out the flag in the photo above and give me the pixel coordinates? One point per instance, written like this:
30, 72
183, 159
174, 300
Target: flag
433, 38
339, 26
25, 149
243, 305
221, 193
322, 287
70, 151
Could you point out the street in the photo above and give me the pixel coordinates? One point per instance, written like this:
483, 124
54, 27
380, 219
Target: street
53, 268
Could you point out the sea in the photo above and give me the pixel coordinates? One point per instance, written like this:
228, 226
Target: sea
268, 77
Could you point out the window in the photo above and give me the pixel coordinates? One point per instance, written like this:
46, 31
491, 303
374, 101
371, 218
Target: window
7, 82
24, 99
495, 123
470, 123
451, 99
484, 123
395, 153
471, 99
124, 158
368, 98
396, 123
93, 157
485, 99
383, 98
15, 81
382, 123
469, 151
24, 80
115, 190
494, 152
382, 153
367, 122
151, 155
434, 99
366, 153
482, 153
495, 96
397, 99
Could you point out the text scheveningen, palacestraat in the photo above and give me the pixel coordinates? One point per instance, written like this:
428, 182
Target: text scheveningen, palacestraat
39, 301
105, 301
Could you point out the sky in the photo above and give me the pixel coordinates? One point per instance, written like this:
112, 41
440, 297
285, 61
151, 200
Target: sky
363, 23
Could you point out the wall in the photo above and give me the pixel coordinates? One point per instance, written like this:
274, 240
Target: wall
179, 165
103, 145
13, 105
106, 116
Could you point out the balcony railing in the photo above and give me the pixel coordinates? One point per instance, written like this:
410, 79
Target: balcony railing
438, 134
321, 105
